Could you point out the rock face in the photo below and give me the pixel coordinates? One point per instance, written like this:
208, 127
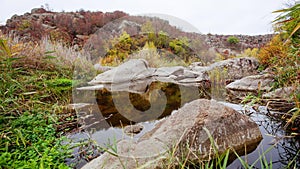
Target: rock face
220, 42
239, 89
187, 126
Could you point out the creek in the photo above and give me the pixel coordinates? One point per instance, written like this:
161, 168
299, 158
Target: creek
110, 110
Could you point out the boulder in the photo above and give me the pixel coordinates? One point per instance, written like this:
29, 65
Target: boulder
252, 83
134, 69
235, 68
168, 71
239, 89
138, 70
189, 126
102, 68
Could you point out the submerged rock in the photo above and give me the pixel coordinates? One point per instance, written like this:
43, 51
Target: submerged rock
189, 126
133, 129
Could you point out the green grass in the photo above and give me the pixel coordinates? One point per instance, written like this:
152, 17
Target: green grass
32, 99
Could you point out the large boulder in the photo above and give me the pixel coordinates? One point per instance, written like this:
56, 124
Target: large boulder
134, 69
187, 127
254, 85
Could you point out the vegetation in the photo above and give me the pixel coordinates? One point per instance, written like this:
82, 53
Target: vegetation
282, 56
34, 92
170, 49
38, 78
233, 40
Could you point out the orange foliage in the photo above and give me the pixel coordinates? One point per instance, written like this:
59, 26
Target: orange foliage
273, 52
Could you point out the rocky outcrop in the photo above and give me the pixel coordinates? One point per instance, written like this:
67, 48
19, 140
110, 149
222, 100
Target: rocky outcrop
187, 127
138, 70
69, 27
239, 89
220, 43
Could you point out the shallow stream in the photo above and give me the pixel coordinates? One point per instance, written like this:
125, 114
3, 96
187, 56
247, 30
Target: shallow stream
111, 109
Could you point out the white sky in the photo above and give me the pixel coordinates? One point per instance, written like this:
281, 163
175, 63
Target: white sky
208, 16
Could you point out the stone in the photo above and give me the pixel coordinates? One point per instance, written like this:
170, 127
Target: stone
134, 69
281, 93
252, 83
133, 129
38, 10
102, 68
235, 68
168, 71
190, 125
281, 99
138, 70
239, 89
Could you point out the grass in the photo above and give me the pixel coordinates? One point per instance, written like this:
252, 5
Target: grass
34, 92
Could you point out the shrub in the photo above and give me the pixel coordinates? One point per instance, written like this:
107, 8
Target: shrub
233, 40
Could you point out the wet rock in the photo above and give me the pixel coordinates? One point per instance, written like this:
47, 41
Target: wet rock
279, 105
239, 89
280, 99
187, 126
133, 129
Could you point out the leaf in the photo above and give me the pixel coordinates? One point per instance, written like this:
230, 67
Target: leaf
49, 52
50, 57
20, 135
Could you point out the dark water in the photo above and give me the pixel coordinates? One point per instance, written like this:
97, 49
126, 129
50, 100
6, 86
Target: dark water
114, 107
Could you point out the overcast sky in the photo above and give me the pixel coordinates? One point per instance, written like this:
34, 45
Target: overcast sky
208, 16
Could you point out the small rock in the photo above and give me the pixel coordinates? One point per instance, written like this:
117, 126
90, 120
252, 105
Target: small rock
133, 129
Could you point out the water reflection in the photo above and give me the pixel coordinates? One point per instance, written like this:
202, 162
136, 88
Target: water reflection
276, 146
123, 104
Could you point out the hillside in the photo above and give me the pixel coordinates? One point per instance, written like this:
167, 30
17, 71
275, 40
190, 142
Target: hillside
95, 31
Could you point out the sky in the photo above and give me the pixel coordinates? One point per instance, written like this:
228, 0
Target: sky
251, 17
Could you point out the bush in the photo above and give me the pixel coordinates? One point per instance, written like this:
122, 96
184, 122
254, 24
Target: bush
233, 40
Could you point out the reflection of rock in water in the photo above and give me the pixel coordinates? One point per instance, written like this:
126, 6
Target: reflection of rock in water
122, 108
